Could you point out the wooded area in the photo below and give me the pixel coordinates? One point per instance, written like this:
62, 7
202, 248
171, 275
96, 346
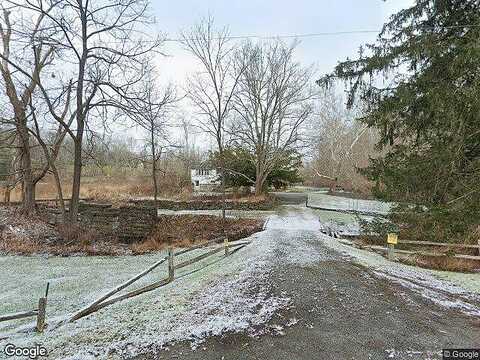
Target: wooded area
77, 76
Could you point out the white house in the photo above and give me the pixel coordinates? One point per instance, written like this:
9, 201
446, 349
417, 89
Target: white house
204, 179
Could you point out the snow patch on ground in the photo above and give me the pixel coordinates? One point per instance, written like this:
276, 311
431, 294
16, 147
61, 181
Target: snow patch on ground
330, 202
236, 214
215, 296
441, 287
293, 220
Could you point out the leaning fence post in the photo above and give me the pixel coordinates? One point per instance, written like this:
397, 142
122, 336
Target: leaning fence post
225, 244
171, 269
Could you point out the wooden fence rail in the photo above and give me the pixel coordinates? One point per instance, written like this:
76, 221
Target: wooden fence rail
40, 313
425, 253
391, 250
228, 247
19, 315
432, 243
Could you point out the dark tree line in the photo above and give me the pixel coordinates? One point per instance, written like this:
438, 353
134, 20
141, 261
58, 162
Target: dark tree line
427, 111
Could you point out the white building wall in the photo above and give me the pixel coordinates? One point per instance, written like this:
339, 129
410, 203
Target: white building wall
204, 178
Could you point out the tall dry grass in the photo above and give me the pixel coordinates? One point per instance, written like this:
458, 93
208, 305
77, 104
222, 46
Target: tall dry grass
105, 188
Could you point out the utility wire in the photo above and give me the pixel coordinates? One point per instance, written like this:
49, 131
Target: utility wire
332, 33
266, 37
298, 36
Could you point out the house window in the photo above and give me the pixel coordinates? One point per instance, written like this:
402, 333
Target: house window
202, 172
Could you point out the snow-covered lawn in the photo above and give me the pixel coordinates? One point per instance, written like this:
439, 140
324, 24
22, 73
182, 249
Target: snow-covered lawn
239, 214
339, 222
329, 202
214, 296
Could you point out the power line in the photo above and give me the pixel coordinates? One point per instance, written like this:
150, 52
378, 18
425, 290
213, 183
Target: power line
331, 33
305, 35
288, 36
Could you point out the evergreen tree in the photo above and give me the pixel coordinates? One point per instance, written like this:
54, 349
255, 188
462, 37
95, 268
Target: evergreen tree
240, 168
427, 110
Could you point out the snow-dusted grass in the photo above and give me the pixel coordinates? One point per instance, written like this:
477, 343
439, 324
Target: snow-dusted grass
239, 214
73, 280
215, 296
212, 297
329, 202
453, 290
339, 222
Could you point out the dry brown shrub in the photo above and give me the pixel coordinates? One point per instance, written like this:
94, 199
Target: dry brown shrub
20, 234
80, 235
185, 230
445, 263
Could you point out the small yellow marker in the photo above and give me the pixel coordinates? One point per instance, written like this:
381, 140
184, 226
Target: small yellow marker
392, 239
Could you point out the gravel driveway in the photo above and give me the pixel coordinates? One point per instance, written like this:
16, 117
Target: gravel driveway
343, 310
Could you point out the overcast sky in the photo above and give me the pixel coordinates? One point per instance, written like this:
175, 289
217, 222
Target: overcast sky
277, 17
272, 18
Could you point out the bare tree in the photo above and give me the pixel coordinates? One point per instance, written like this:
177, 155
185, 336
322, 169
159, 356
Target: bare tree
211, 89
151, 112
22, 41
272, 102
103, 45
341, 145
51, 148
188, 143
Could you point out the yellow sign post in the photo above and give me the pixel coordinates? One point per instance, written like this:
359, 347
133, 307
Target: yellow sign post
392, 239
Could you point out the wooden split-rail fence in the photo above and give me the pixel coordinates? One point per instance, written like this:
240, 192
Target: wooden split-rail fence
391, 250
109, 298
39, 313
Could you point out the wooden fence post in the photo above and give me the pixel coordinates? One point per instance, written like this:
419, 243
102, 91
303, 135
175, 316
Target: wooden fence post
171, 268
391, 252
42, 305
392, 240
225, 243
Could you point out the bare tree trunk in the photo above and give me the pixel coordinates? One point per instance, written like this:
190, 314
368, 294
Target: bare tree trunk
154, 172
333, 185
58, 185
80, 117
27, 176
224, 195
259, 179
77, 175
6, 194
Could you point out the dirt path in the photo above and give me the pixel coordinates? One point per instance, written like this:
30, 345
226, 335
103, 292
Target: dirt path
340, 309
